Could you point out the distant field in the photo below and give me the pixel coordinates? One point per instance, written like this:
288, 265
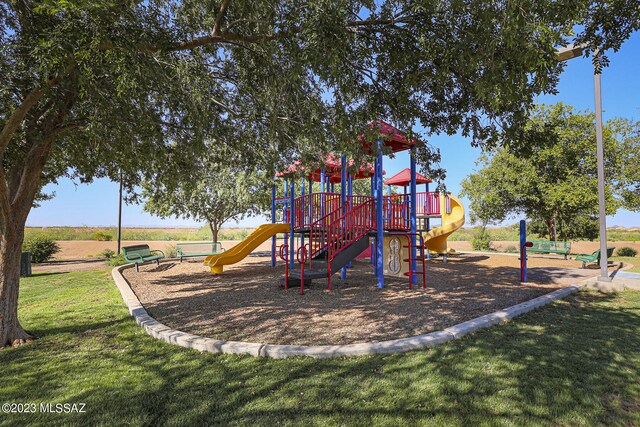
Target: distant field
155, 234
498, 234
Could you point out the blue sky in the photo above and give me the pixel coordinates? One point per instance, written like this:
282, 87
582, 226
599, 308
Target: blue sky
96, 204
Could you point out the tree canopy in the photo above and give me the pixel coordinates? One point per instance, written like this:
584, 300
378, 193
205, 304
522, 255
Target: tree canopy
95, 87
555, 183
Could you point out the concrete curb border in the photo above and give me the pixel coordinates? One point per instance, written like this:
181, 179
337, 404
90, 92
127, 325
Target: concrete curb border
276, 351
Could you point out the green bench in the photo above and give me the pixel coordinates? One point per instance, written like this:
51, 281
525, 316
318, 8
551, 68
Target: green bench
140, 254
550, 247
594, 257
193, 249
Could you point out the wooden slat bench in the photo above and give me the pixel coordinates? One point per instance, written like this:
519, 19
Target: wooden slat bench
195, 249
140, 254
594, 257
550, 247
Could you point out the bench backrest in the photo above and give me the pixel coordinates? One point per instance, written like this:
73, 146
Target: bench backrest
135, 251
199, 247
610, 250
551, 245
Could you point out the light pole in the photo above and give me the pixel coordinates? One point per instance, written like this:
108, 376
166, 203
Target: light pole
564, 54
120, 214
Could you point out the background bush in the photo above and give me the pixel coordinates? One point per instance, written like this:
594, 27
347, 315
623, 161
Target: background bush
627, 251
41, 248
171, 251
117, 261
511, 249
101, 236
107, 253
481, 240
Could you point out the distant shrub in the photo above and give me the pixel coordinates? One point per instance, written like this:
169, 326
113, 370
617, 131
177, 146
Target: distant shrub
627, 251
171, 251
117, 261
511, 249
101, 236
481, 240
107, 253
42, 248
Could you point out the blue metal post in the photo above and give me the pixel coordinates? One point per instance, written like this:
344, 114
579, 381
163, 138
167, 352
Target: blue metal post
379, 220
343, 197
388, 190
292, 240
523, 251
273, 221
413, 212
322, 180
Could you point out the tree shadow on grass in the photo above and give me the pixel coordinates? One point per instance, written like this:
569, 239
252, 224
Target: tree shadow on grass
575, 362
53, 273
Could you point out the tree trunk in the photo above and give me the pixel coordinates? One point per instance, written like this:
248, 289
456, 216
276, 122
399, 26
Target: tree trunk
214, 231
11, 331
551, 228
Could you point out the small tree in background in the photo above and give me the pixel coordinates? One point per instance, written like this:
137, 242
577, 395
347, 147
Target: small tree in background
216, 192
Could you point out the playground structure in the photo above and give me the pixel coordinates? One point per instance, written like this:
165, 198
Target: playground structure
325, 231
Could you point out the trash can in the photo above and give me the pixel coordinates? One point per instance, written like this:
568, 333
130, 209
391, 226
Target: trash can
25, 264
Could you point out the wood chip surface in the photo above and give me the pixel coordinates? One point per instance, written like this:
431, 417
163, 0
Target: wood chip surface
245, 303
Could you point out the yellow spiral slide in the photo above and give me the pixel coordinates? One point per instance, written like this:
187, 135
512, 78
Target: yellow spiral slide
245, 247
436, 239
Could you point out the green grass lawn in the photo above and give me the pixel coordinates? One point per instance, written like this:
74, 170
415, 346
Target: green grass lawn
576, 362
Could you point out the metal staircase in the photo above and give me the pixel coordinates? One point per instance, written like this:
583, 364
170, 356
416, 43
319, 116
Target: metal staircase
335, 239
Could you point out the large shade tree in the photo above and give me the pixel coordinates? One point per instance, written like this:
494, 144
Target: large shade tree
93, 87
554, 181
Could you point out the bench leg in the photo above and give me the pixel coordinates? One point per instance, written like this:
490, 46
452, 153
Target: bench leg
137, 269
158, 262
584, 264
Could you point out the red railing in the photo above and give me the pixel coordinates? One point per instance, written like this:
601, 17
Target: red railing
356, 223
318, 232
428, 203
312, 207
396, 210
320, 229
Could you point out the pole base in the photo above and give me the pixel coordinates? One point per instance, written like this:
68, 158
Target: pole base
217, 269
606, 286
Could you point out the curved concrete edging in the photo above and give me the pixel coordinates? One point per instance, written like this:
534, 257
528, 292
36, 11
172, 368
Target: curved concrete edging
172, 336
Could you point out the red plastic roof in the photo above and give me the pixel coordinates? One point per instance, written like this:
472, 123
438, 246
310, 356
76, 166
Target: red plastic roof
396, 139
333, 169
403, 178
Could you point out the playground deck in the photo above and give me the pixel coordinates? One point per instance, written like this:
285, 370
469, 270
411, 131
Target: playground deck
246, 304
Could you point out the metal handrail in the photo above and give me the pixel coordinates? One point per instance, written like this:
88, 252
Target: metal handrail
354, 224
